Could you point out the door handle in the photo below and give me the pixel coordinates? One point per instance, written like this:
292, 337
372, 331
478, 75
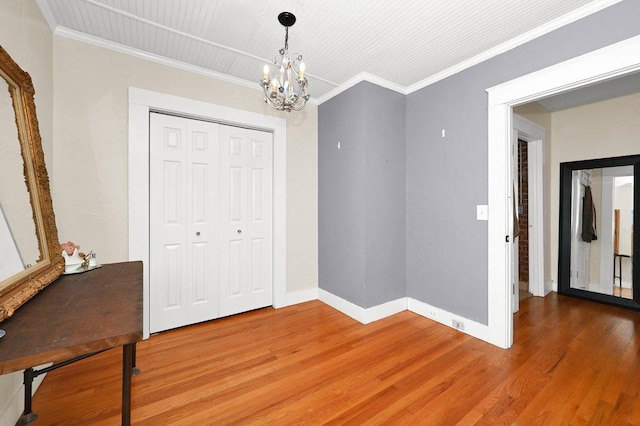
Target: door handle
198, 234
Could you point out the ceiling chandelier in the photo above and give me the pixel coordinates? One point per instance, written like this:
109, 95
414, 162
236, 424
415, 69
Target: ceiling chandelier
286, 88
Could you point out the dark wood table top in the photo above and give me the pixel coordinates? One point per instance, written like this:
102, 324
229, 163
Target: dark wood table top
75, 315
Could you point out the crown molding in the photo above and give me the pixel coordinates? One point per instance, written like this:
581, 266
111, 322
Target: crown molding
363, 76
120, 48
577, 14
162, 60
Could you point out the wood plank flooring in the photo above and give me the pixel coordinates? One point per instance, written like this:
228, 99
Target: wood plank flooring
573, 362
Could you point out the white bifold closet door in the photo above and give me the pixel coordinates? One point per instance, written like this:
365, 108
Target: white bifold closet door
246, 219
210, 220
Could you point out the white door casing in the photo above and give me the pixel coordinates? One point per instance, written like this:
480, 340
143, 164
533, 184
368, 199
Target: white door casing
141, 103
534, 136
514, 239
612, 61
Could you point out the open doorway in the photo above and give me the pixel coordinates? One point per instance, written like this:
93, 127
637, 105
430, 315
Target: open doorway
613, 61
530, 205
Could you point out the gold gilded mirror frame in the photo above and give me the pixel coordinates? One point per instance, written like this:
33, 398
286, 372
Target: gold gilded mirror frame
17, 289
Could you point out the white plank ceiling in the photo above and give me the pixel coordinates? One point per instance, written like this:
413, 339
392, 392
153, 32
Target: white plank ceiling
407, 44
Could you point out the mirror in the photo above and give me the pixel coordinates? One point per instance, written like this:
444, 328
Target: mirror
597, 226
30, 252
18, 241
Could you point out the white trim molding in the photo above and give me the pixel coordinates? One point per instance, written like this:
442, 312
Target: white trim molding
612, 61
340, 87
141, 103
573, 16
360, 314
472, 328
534, 135
363, 76
12, 403
301, 296
375, 313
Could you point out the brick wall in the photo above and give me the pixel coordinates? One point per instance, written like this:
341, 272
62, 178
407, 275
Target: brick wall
523, 193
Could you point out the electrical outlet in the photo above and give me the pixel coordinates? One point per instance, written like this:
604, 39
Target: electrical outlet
432, 314
458, 325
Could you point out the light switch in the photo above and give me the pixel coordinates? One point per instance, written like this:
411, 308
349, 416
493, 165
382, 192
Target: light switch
482, 212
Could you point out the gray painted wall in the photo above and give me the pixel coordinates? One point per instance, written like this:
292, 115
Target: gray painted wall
341, 195
385, 167
361, 195
447, 178
446, 247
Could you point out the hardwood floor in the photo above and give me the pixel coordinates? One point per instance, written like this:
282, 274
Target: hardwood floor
573, 362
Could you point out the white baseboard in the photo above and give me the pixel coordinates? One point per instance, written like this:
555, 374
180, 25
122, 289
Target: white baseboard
367, 315
13, 405
301, 296
360, 314
470, 327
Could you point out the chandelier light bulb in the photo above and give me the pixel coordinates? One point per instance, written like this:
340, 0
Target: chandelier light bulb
285, 89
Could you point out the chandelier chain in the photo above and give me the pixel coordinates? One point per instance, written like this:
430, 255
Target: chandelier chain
286, 39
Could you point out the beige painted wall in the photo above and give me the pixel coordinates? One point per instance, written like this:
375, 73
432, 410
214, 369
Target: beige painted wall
91, 150
24, 34
603, 129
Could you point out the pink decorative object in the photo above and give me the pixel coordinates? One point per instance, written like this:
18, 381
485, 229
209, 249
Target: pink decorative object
69, 247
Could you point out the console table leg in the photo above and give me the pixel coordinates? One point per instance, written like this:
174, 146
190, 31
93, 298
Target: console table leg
127, 367
28, 416
135, 370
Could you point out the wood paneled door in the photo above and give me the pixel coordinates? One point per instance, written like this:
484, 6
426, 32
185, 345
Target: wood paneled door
210, 220
246, 254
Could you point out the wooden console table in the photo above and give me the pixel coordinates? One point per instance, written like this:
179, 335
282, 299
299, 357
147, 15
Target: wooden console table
74, 317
